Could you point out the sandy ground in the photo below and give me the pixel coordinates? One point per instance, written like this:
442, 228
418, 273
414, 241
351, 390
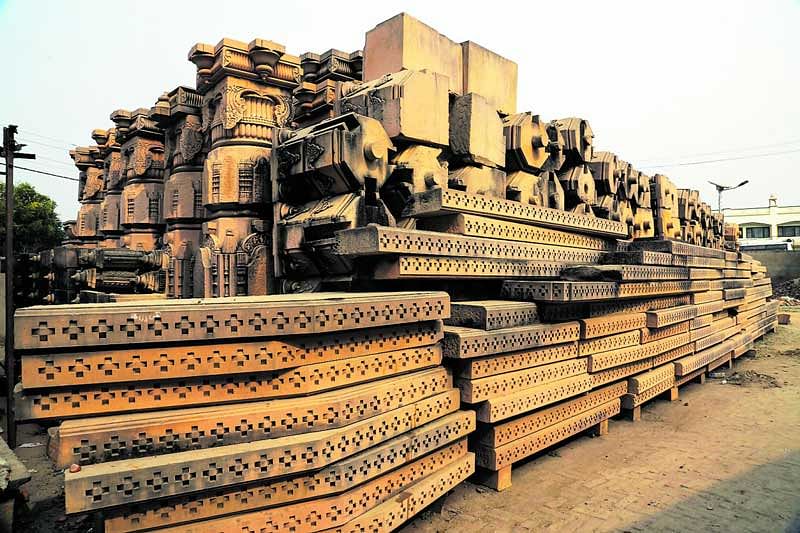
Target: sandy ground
725, 457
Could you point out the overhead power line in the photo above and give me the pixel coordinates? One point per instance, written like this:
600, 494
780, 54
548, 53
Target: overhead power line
53, 146
749, 148
27, 132
45, 173
690, 163
56, 161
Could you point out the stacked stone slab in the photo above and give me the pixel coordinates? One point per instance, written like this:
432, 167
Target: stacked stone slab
259, 412
518, 375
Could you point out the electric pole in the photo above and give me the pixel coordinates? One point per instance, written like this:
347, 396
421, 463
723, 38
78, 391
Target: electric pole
10, 151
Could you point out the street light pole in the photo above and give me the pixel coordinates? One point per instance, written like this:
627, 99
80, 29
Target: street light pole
722, 188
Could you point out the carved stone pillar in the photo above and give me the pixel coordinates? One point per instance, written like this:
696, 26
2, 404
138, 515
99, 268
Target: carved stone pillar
179, 114
90, 195
316, 95
109, 208
142, 164
247, 92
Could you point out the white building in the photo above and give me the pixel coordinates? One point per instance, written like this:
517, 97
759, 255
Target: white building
757, 224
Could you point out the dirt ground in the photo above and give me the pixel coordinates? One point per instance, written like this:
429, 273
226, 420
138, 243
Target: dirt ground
725, 457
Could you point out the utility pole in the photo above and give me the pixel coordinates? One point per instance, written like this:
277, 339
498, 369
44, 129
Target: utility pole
11, 150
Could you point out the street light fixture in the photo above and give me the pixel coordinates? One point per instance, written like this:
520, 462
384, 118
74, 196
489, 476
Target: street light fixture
721, 188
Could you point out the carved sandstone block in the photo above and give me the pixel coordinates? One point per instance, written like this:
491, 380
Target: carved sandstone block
476, 131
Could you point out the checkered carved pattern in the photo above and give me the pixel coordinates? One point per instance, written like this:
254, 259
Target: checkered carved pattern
496, 458
665, 317
477, 390
413, 267
173, 431
678, 248
61, 403
562, 311
701, 321
522, 401
616, 373
641, 257
101, 486
567, 291
392, 513
367, 476
478, 226
716, 337
655, 334
221, 318
642, 382
506, 432
629, 401
120, 364
632, 290
671, 355
610, 342
498, 364
350, 472
601, 326
614, 358
637, 306
650, 272
464, 343
702, 358
511, 318
443, 201
707, 308
373, 240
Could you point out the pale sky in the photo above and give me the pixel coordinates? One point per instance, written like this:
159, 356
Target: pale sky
660, 82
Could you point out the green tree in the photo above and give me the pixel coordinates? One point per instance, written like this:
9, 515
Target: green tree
36, 225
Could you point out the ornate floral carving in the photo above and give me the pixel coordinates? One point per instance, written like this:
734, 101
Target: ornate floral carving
312, 151
348, 106
376, 103
283, 109
210, 242
227, 57
294, 212
190, 140
286, 159
321, 206
334, 65
141, 159
94, 182
253, 241
234, 106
